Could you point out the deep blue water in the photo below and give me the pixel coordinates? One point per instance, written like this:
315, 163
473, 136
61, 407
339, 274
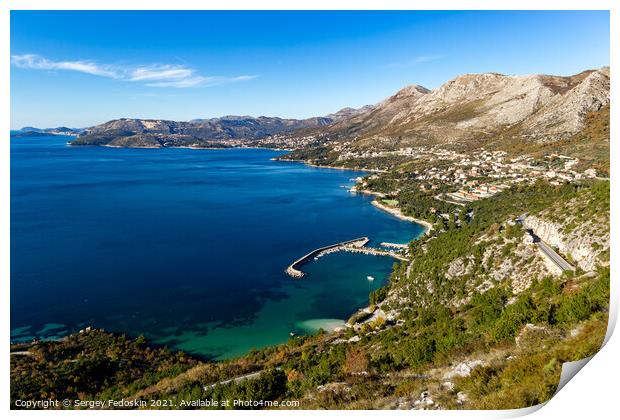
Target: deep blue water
187, 247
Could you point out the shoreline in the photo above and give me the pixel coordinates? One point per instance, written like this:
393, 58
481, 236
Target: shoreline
114, 146
396, 212
341, 168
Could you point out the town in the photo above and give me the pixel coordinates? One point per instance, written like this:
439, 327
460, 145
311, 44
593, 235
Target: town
482, 176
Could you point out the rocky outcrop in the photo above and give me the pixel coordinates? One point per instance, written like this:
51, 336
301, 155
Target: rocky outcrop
565, 112
518, 267
579, 243
463, 369
424, 402
459, 267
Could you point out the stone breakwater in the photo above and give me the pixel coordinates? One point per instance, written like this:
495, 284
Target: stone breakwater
293, 269
354, 245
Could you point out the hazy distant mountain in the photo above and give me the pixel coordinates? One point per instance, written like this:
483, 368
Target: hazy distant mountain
31, 129
22, 134
57, 131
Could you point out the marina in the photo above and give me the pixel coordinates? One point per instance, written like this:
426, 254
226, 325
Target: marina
354, 246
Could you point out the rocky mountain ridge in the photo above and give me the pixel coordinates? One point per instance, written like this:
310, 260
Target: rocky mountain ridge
479, 108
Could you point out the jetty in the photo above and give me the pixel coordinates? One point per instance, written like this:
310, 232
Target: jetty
354, 245
293, 269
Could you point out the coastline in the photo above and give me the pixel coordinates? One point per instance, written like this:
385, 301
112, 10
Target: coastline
396, 212
342, 168
314, 165
113, 146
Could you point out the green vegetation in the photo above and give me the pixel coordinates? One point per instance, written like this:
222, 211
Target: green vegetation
531, 377
392, 203
91, 364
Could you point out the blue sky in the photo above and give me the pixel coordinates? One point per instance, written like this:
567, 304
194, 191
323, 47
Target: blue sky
84, 68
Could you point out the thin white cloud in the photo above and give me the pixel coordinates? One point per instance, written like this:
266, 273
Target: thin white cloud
165, 72
33, 61
201, 81
414, 61
159, 75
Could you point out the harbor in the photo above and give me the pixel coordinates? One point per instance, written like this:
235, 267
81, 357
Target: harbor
357, 245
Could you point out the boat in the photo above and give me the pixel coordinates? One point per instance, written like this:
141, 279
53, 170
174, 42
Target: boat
370, 278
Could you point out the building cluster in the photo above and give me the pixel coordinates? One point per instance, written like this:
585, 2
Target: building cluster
491, 172
282, 141
482, 173
476, 175
411, 152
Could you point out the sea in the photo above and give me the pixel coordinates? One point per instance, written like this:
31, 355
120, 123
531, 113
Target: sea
186, 247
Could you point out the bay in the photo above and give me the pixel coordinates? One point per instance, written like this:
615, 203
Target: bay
187, 247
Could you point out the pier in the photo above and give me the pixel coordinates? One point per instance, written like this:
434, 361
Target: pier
354, 245
293, 269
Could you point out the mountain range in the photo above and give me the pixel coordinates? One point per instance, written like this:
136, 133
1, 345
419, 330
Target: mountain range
469, 110
199, 132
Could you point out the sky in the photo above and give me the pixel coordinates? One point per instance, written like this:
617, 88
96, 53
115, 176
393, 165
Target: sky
79, 69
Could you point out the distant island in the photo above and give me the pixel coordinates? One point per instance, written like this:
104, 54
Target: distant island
58, 131
21, 134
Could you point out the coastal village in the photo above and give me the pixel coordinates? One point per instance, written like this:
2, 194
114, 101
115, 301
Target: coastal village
474, 175
482, 176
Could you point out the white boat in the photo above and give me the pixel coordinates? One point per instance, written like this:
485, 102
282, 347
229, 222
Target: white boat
370, 278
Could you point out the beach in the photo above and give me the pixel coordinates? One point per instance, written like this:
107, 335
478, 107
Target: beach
394, 211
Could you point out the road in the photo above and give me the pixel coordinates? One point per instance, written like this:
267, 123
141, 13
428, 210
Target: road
560, 262
553, 256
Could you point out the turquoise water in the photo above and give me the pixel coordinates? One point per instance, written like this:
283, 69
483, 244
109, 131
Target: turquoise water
187, 247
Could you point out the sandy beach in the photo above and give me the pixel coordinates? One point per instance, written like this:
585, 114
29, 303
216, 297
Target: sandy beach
394, 211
